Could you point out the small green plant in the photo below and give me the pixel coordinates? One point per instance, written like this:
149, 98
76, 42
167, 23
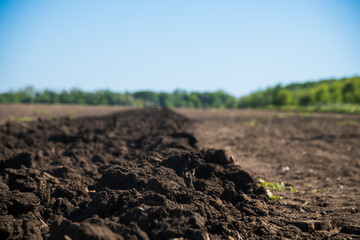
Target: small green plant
318, 190
276, 197
271, 195
305, 114
251, 123
268, 186
292, 189
346, 123
273, 116
274, 186
25, 119
70, 112
12, 118
46, 112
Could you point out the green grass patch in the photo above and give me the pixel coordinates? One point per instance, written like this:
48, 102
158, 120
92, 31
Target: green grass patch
333, 108
46, 112
305, 114
271, 117
348, 122
251, 123
25, 119
20, 119
70, 112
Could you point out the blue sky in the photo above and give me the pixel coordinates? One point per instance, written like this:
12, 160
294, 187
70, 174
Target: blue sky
236, 46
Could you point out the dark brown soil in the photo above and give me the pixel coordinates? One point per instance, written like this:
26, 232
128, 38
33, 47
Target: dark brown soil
142, 174
316, 155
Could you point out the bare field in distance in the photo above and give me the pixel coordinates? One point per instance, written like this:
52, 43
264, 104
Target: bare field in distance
28, 112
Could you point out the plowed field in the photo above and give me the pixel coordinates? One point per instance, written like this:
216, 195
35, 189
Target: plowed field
159, 174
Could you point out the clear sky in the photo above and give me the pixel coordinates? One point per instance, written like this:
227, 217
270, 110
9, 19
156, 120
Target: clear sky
202, 45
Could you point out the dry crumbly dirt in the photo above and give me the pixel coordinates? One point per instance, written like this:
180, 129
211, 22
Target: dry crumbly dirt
157, 174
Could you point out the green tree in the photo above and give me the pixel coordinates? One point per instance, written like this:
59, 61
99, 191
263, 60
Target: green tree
335, 90
282, 97
166, 100
305, 99
351, 90
322, 94
195, 100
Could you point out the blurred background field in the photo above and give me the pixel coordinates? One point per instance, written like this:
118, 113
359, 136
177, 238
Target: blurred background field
333, 95
32, 112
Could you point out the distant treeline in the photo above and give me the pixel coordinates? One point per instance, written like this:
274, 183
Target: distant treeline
333, 91
178, 98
